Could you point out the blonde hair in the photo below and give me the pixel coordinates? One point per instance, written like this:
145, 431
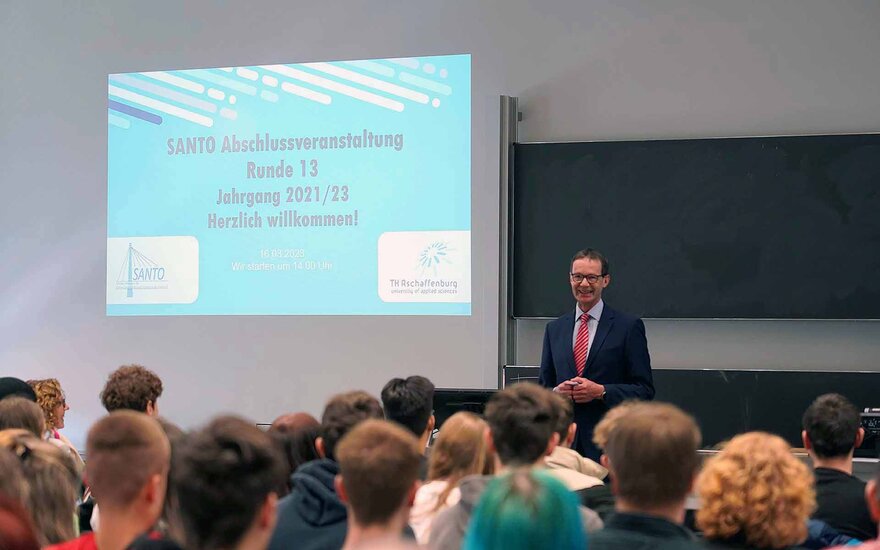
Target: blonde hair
604, 427
52, 480
756, 489
460, 450
49, 396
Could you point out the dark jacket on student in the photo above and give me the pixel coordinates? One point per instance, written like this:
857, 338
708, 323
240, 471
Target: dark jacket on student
639, 532
840, 500
311, 517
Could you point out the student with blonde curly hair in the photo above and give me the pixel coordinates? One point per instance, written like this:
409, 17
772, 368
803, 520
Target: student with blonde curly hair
51, 398
755, 494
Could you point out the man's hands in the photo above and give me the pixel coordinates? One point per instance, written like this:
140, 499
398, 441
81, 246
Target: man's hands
580, 390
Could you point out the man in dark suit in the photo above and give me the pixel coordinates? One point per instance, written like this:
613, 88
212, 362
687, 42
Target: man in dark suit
595, 355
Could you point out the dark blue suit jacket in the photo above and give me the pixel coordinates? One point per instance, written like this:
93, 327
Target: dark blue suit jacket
618, 360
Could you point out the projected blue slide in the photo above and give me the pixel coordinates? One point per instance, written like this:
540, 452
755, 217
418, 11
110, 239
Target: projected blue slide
338, 188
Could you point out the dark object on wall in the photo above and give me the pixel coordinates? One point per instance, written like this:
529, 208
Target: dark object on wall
757, 228
729, 402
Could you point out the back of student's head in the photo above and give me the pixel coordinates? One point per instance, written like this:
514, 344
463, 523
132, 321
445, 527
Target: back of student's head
652, 455
528, 510
831, 423
757, 492
522, 420
564, 414
409, 402
379, 465
11, 386
125, 450
223, 476
12, 482
296, 433
52, 480
342, 413
609, 420
459, 449
131, 387
20, 413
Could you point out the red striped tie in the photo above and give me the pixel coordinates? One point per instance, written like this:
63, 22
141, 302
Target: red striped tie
581, 344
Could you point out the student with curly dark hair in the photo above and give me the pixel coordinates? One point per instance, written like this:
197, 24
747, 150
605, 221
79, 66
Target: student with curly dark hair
132, 387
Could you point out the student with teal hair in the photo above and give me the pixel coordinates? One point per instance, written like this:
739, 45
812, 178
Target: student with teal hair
526, 509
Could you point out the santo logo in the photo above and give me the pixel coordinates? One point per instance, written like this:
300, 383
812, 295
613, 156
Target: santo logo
139, 272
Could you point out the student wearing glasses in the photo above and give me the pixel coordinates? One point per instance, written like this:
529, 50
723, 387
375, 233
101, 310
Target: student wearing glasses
595, 355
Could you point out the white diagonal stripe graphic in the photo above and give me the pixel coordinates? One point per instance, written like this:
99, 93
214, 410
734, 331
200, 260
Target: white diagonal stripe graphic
176, 81
306, 93
394, 89
335, 86
247, 73
161, 91
161, 106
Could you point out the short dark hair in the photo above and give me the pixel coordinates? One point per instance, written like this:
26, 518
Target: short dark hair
296, 433
522, 421
592, 254
379, 463
131, 387
11, 386
222, 475
564, 412
831, 423
652, 454
342, 413
409, 402
20, 412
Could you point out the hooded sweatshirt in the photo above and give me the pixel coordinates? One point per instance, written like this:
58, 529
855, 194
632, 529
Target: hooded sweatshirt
311, 517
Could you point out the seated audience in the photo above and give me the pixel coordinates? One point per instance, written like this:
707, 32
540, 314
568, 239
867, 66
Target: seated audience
225, 482
522, 432
18, 413
831, 433
132, 387
52, 482
755, 494
378, 478
410, 403
872, 499
459, 450
651, 456
10, 387
526, 509
296, 433
50, 398
563, 456
591, 491
312, 517
16, 529
127, 467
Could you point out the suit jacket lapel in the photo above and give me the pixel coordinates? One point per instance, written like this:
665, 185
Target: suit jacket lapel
602, 330
565, 342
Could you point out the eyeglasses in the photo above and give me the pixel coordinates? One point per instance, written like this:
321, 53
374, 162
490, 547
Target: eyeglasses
578, 278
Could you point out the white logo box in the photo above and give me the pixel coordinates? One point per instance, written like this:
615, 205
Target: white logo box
425, 266
152, 270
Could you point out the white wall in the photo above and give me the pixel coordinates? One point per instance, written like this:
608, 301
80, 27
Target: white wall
583, 69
